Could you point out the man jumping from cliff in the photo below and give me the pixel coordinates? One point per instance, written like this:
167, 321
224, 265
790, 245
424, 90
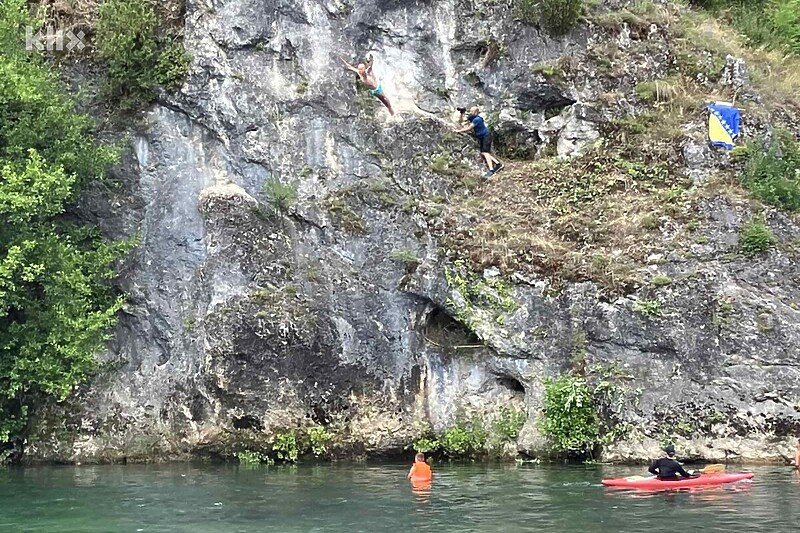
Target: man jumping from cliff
366, 77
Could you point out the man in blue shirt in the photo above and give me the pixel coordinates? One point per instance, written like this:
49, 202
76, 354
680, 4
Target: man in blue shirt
478, 126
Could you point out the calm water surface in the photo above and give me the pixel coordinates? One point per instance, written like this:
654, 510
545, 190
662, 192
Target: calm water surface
369, 498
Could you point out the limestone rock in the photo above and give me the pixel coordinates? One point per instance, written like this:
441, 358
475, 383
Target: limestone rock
289, 275
573, 131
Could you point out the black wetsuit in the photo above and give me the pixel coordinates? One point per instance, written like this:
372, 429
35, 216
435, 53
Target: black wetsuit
666, 468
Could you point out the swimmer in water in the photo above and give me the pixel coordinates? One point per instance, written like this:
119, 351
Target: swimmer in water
420, 470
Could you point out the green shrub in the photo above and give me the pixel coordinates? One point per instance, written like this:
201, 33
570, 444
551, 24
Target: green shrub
319, 438
172, 66
774, 24
785, 21
648, 307
279, 196
774, 176
135, 57
557, 16
464, 440
657, 91
405, 257
56, 305
285, 447
570, 419
425, 445
250, 457
755, 238
508, 425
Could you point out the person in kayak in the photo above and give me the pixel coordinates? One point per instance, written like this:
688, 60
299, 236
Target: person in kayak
668, 468
420, 470
484, 136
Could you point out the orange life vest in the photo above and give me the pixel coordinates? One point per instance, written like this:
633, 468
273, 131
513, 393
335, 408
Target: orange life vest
421, 471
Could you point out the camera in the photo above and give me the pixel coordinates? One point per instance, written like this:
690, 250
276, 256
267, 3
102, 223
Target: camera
462, 109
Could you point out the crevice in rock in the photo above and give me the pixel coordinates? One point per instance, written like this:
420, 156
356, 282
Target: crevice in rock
449, 335
512, 384
541, 98
247, 422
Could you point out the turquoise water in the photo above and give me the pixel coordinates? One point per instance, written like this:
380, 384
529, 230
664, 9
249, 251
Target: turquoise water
369, 498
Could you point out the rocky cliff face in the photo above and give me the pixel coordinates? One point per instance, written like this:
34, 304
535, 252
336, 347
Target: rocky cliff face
350, 306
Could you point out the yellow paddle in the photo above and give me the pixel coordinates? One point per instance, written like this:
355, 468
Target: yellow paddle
713, 469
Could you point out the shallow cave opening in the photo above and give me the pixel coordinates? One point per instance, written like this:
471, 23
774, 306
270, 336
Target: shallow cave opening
247, 422
512, 384
449, 335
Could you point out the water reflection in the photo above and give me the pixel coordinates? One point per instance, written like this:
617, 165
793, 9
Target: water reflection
421, 490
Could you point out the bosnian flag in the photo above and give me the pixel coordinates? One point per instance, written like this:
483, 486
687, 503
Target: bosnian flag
723, 124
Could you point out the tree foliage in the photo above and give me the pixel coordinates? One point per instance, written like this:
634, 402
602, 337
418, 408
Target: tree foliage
137, 53
570, 418
55, 306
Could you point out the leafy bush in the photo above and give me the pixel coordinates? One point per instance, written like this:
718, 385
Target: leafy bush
464, 439
785, 19
279, 196
755, 238
469, 439
172, 66
425, 445
570, 419
557, 16
648, 307
774, 176
285, 447
136, 58
319, 437
405, 257
56, 306
775, 23
508, 425
249, 457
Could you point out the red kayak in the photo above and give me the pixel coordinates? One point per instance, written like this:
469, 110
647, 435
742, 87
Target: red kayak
705, 480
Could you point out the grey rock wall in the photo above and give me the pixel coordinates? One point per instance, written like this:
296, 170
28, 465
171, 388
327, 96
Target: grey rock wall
245, 320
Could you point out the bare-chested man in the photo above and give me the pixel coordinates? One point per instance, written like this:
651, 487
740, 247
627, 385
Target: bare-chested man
366, 77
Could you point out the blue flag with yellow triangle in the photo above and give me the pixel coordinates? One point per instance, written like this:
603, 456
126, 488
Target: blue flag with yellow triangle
723, 124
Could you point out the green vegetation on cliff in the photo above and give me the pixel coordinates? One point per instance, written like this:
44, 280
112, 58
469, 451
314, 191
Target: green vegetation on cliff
583, 410
628, 198
773, 175
557, 16
139, 56
771, 23
570, 419
56, 306
470, 439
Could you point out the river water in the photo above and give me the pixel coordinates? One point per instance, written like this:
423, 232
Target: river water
373, 498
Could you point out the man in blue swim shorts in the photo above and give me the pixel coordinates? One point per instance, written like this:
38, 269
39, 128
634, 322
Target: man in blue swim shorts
366, 77
483, 135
